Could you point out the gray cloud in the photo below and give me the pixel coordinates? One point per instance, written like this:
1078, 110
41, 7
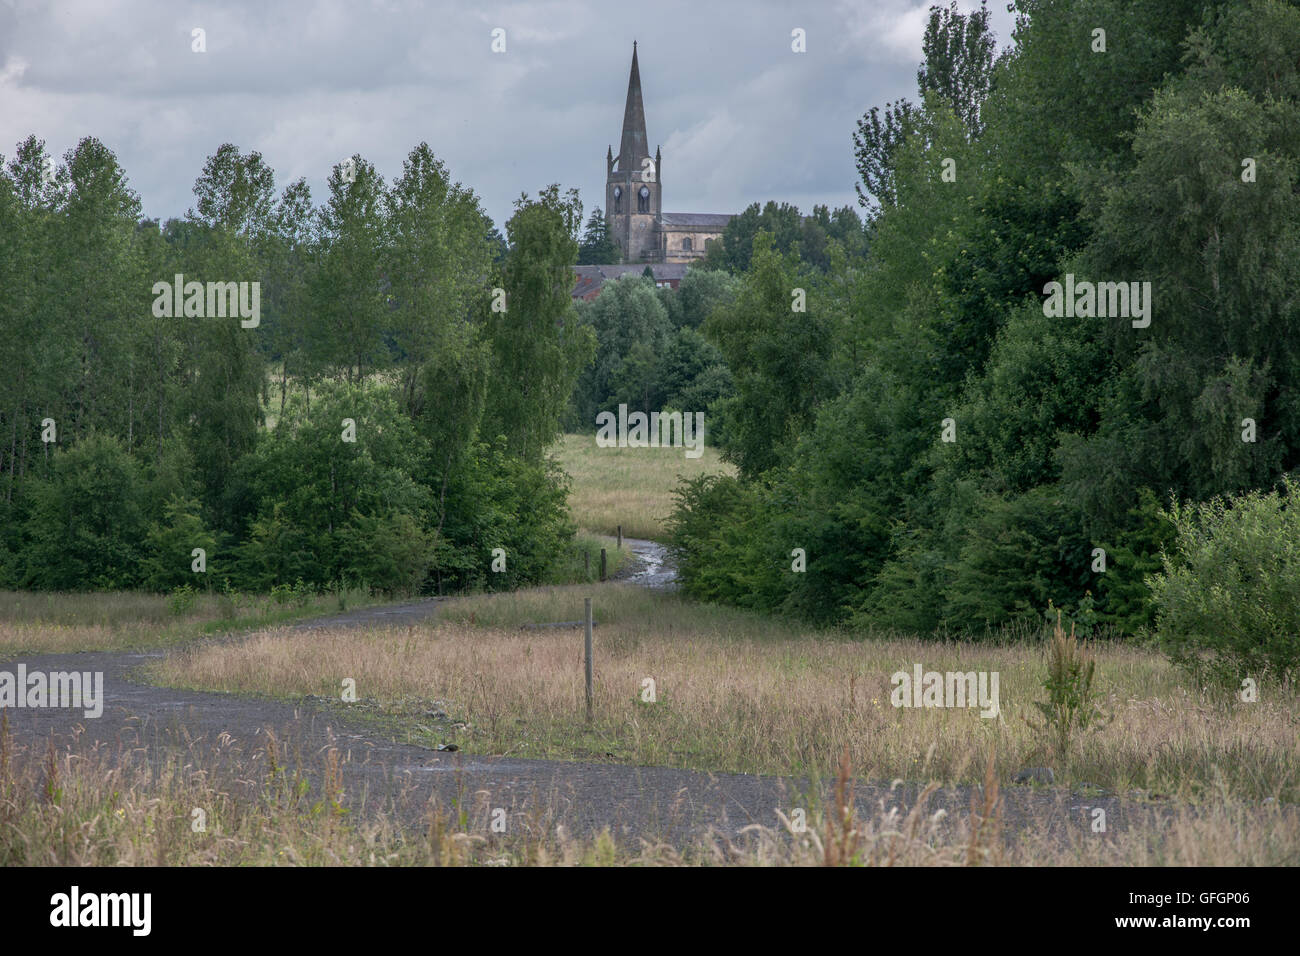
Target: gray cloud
740, 117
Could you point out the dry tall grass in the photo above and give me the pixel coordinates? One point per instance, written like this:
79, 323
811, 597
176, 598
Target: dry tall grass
736, 692
81, 806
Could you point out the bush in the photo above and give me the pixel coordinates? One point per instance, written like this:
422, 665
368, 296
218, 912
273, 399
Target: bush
182, 600
86, 521
1228, 598
326, 508
1019, 555
170, 544
715, 534
1071, 698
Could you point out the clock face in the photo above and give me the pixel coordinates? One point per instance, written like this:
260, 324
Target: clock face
645, 191
618, 191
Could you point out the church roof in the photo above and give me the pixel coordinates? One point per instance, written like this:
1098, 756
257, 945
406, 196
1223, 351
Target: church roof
696, 219
591, 279
662, 270
635, 145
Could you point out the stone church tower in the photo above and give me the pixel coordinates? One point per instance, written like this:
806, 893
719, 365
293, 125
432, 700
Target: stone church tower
634, 198
633, 201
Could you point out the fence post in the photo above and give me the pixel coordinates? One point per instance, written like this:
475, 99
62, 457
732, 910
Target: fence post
587, 648
620, 537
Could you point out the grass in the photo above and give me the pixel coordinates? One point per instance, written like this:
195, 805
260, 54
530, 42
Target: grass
87, 806
571, 568
628, 486
60, 622
739, 692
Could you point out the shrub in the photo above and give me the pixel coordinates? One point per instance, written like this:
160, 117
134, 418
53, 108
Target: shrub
170, 544
1070, 703
1228, 598
712, 533
1018, 554
182, 599
86, 520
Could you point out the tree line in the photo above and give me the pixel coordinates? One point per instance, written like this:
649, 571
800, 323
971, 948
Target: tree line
950, 457
411, 363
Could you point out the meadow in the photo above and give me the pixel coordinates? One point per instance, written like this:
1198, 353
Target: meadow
60, 622
734, 691
95, 807
678, 684
632, 487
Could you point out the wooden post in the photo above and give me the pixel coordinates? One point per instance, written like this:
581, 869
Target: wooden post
602, 564
587, 648
620, 537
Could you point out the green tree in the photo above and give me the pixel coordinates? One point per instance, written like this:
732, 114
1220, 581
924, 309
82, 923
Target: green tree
875, 142
538, 345
597, 248
169, 548
777, 356
959, 52
438, 259
87, 521
350, 297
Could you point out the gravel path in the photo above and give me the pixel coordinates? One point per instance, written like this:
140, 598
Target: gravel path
652, 802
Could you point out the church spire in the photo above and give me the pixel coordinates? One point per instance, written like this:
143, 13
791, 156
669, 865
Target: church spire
634, 146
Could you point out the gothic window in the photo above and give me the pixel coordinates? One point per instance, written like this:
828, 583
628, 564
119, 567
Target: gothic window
643, 199
686, 244
618, 199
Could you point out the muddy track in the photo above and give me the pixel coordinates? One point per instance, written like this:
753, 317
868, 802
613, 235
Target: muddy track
230, 732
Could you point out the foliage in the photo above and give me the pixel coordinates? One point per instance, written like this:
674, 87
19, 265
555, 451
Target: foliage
1071, 703
1227, 598
953, 459
597, 246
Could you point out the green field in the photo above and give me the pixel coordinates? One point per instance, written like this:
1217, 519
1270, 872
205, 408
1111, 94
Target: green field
628, 486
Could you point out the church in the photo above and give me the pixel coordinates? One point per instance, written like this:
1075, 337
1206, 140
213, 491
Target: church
634, 196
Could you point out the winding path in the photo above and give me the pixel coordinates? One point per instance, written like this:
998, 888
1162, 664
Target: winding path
227, 731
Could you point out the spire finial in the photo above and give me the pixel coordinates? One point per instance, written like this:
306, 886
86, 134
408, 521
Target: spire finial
633, 146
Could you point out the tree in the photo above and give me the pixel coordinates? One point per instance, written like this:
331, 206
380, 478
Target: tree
793, 234
959, 57
235, 192
537, 342
777, 356
627, 317
959, 54
697, 295
350, 298
874, 145
87, 521
597, 248
437, 258
222, 403
288, 253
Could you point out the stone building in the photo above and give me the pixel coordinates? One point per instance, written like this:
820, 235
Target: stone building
634, 196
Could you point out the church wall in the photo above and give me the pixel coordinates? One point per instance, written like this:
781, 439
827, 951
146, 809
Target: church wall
675, 244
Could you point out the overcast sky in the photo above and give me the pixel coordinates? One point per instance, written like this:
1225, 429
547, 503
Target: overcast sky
740, 117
